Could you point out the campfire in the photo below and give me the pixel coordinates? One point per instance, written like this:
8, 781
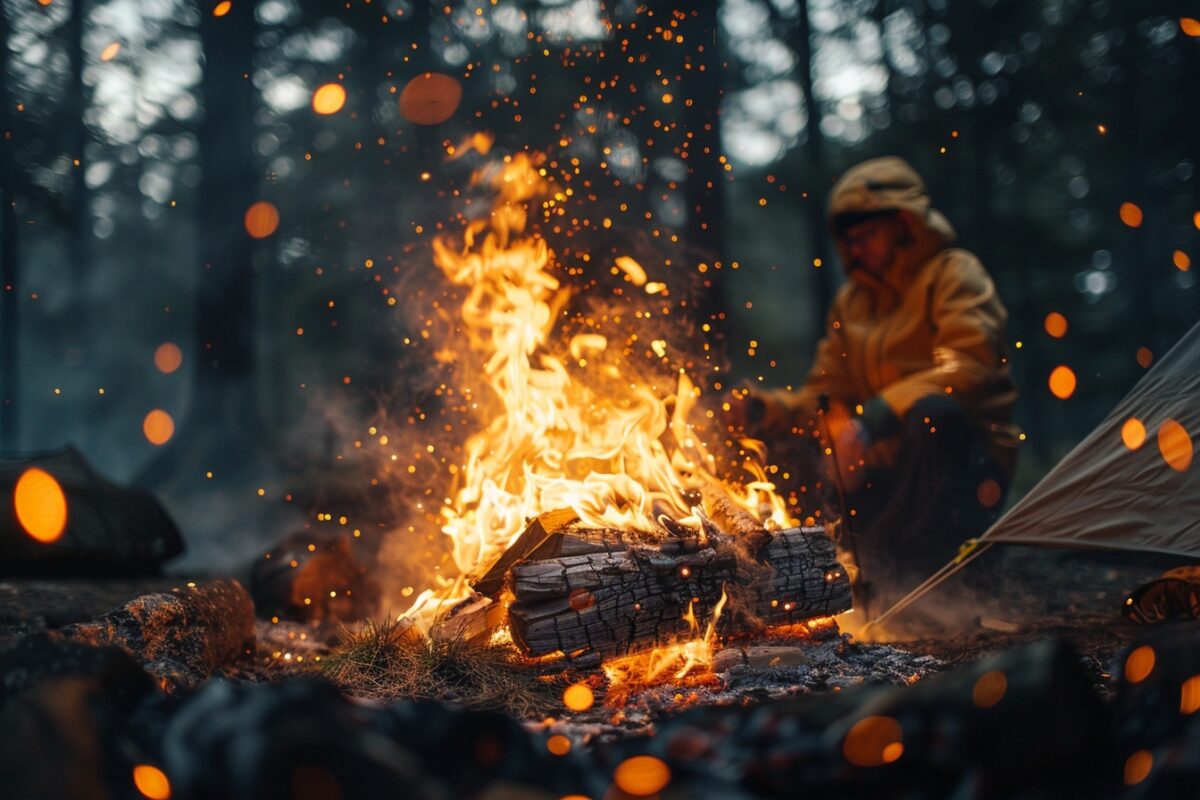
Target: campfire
588, 519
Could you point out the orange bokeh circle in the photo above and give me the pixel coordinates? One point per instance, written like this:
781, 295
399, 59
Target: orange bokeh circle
430, 98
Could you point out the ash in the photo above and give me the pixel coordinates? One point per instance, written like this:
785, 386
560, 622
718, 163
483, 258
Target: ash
830, 665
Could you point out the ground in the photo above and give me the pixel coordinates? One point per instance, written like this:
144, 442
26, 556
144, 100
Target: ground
1021, 595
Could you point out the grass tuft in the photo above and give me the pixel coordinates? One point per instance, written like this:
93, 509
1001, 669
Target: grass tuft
386, 661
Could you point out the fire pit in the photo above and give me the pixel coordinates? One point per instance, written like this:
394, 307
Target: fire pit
589, 517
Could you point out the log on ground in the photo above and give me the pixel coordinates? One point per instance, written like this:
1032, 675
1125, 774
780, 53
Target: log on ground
612, 598
183, 635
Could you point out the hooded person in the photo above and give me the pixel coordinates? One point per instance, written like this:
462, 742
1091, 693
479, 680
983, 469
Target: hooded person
918, 384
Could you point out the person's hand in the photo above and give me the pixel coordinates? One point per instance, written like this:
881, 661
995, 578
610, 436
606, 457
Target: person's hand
742, 410
849, 442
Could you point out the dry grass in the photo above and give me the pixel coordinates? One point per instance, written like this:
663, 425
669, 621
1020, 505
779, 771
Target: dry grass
384, 661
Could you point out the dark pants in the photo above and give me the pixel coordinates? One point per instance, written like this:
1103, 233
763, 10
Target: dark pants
944, 489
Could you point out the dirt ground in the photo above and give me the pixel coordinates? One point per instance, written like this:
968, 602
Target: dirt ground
1009, 597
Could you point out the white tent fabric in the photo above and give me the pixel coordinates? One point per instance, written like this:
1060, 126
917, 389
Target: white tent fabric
1130, 485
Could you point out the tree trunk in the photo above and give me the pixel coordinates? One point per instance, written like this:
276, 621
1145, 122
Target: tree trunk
818, 176
221, 431
80, 225
225, 312
702, 88
10, 178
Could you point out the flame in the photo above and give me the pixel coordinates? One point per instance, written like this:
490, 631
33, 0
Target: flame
679, 658
565, 424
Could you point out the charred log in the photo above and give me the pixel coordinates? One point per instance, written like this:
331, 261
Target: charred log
606, 595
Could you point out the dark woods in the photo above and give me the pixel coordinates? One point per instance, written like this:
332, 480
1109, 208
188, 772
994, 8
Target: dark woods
137, 137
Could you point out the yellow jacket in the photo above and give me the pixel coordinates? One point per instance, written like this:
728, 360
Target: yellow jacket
932, 325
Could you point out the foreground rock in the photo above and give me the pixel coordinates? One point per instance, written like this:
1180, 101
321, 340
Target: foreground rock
181, 636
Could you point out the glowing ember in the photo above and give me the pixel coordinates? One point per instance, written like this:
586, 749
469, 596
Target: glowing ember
1062, 382
675, 660
989, 689
578, 697
1138, 766
1056, 325
1131, 214
988, 493
1133, 433
642, 775
1139, 664
151, 782
430, 99
329, 98
41, 505
1189, 695
261, 219
222, 8
158, 427
1175, 445
873, 742
168, 357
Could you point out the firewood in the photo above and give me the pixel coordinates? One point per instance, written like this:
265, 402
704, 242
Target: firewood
613, 596
730, 518
472, 620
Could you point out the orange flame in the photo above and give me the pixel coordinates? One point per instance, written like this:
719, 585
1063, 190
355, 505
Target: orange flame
678, 659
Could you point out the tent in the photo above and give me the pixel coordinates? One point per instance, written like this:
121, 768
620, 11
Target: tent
1127, 486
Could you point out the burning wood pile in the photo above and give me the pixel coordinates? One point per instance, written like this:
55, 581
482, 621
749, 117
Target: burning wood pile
586, 593
587, 518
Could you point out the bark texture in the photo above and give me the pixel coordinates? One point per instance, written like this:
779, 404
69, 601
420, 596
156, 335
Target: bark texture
180, 635
602, 593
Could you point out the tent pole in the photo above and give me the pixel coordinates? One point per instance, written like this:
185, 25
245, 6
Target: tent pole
932, 582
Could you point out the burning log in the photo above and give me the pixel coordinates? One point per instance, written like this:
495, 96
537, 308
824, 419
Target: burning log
602, 592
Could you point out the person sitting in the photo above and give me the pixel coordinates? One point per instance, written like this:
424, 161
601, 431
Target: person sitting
920, 396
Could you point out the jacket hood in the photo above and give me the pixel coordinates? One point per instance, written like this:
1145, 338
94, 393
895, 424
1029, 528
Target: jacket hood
884, 184
887, 184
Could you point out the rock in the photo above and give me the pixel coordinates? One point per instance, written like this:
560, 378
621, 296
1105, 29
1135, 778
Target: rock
30, 605
312, 576
1158, 691
200, 627
474, 751
759, 657
300, 738
39, 657
51, 743
1022, 723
